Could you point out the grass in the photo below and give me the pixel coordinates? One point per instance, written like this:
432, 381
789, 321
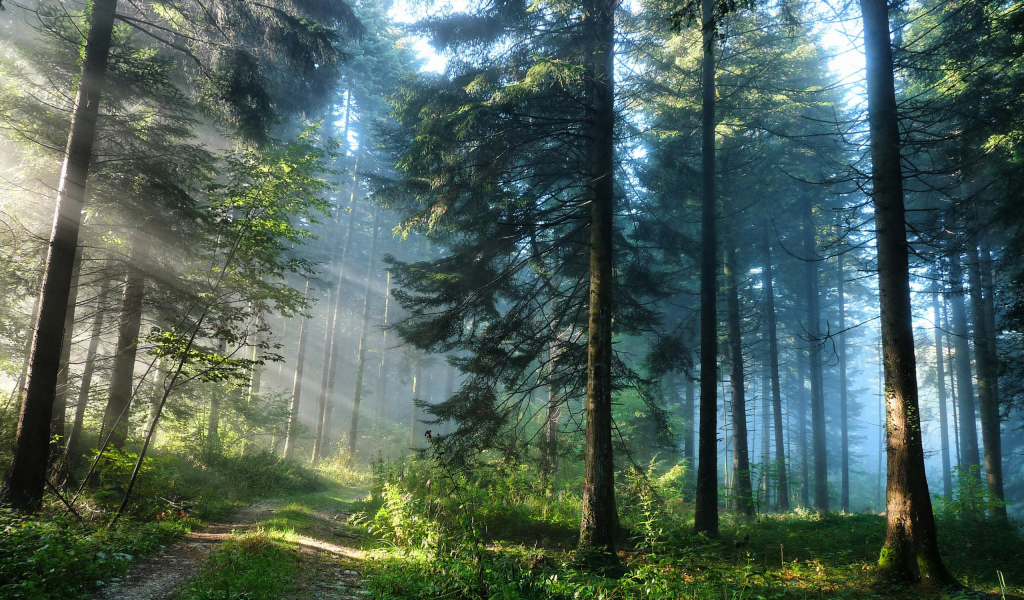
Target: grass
51, 556
265, 564
476, 539
56, 558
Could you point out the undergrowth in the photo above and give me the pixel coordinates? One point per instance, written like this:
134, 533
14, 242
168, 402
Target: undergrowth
498, 532
59, 555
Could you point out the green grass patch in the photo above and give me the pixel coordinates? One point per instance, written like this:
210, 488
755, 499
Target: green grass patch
260, 565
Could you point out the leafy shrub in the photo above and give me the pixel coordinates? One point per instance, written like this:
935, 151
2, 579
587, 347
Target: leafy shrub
59, 558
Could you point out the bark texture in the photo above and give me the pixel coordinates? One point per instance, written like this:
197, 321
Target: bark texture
844, 417
773, 358
969, 456
122, 375
599, 523
987, 403
705, 516
911, 549
947, 477
742, 494
25, 482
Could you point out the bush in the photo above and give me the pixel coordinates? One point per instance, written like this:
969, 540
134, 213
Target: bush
59, 558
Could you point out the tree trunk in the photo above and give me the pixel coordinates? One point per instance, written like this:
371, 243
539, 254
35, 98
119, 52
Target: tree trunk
292, 433
255, 381
357, 392
990, 316
940, 377
329, 335
60, 404
417, 388
844, 417
549, 435
911, 549
742, 493
814, 360
801, 427
989, 409
213, 420
599, 524
26, 478
688, 433
74, 448
122, 375
969, 456
773, 357
952, 385
382, 372
705, 516
322, 441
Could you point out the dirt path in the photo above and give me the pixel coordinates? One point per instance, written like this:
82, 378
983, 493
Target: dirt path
328, 571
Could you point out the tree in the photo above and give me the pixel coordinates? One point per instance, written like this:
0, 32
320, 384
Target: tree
911, 548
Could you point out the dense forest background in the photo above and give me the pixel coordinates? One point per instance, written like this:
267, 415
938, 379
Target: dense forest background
601, 291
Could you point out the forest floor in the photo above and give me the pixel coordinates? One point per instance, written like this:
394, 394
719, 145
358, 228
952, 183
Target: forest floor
298, 547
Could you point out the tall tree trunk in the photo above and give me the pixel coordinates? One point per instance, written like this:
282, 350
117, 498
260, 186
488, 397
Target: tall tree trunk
969, 456
705, 516
911, 549
742, 493
801, 427
689, 404
417, 390
814, 359
382, 368
766, 428
255, 381
989, 409
322, 441
357, 392
60, 404
549, 436
329, 335
122, 375
990, 316
773, 357
292, 432
75, 448
600, 522
213, 419
952, 384
25, 482
940, 377
844, 416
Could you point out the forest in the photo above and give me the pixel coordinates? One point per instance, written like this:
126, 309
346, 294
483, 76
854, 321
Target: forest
519, 299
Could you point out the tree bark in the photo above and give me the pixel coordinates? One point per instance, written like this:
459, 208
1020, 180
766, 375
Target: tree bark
60, 404
549, 435
705, 516
911, 549
417, 389
292, 433
969, 456
122, 375
382, 369
987, 405
26, 478
357, 392
742, 493
599, 524
940, 377
773, 358
688, 432
814, 360
802, 360
322, 441
844, 416
74, 447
